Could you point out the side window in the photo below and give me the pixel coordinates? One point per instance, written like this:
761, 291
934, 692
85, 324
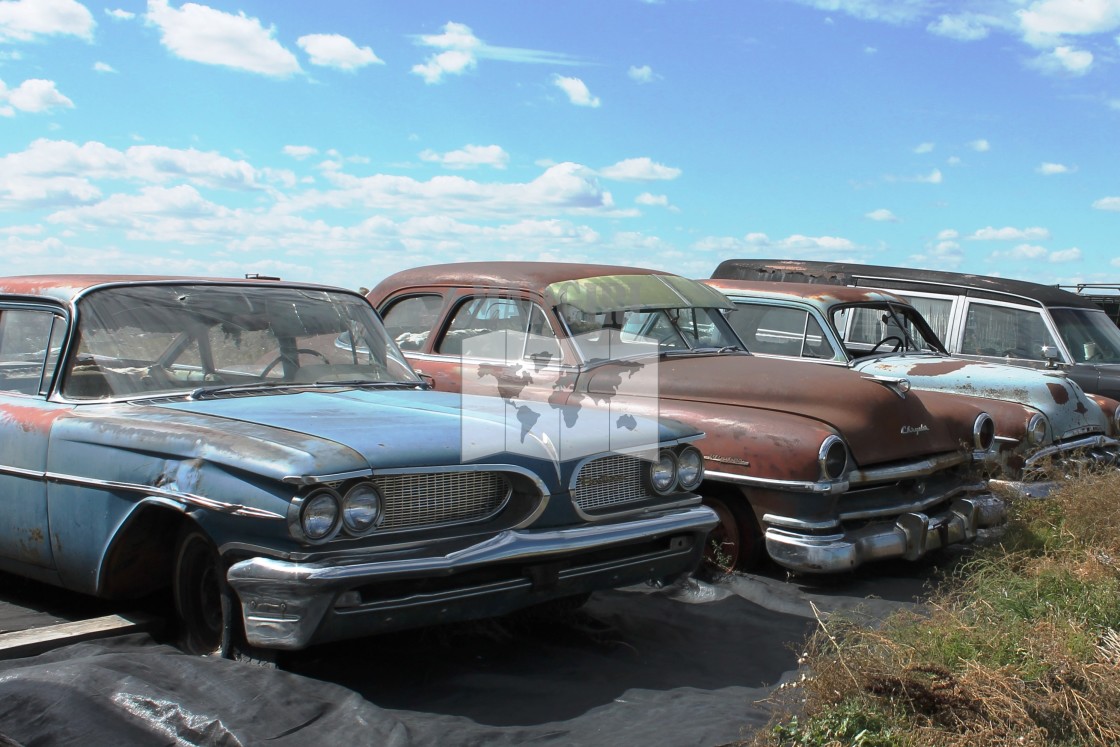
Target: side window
410, 320
777, 330
499, 329
25, 349
1004, 331
937, 312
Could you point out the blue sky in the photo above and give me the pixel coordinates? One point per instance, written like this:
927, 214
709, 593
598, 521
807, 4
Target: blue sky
338, 142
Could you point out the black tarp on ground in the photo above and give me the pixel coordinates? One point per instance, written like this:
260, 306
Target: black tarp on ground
680, 666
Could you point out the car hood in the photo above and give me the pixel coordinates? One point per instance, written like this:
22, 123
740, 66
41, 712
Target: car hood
318, 433
877, 424
1063, 402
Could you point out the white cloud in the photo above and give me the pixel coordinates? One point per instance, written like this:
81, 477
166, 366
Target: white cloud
58, 172
1010, 234
1064, 59
924, 148
201, 34
26, 20
948, 234
576, 90
933, 177
643, 74
461, 50
962, 26
807, 247
1073, 254
1045, 20
1049, 169
1022, 252
1108, 203
120, 15
639, 170
103, 67
980, 146
882, 215
299, 152
337, 51
469, 156
34, 96
647, 198
953, 160
887, 11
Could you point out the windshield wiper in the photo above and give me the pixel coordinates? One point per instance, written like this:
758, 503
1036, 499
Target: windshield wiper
218, 388
257, 385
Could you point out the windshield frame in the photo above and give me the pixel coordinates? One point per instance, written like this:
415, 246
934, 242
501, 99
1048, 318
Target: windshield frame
1102, 327
174, 338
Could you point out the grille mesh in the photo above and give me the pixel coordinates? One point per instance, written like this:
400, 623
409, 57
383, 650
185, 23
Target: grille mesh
610, 481
411, 501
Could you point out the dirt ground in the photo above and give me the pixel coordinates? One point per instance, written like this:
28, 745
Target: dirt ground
691, 664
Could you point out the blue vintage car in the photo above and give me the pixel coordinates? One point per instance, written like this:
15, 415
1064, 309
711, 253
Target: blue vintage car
882, 334
264, 452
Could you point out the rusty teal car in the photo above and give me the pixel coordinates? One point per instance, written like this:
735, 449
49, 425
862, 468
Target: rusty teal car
1062, 429
263, 451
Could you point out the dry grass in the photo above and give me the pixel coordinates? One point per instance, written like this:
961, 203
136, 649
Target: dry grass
1019, 646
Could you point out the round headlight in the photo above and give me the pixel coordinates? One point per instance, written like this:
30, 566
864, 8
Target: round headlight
690, 468
361, 508
663, 473
984, 432
319, 517
1037, 429
833, 458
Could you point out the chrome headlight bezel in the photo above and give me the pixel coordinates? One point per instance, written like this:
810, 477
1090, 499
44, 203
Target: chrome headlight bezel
661, 476
984, 432
690, 468
320, 515
362, 509
1038, 430
833, 458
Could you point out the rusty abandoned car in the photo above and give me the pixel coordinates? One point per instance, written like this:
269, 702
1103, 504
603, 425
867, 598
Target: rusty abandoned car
1060, 432
821, 467
979, 317
263, 451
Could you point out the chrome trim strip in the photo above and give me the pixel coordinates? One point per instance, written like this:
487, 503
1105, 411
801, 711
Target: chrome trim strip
915, 506
145, 490
809, 526
1090, 442
922, 468
800, 486
320, 479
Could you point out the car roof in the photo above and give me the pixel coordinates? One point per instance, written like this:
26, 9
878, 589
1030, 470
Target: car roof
66, 288
899, 278
559, 281
802, 291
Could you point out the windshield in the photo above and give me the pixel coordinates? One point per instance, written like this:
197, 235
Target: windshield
626, 333
1090, 335
882, 328
173, 338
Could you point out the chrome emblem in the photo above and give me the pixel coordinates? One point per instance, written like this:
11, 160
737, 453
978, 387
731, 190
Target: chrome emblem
907, 429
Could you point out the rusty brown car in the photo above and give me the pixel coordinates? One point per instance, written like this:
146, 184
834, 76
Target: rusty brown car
822, 468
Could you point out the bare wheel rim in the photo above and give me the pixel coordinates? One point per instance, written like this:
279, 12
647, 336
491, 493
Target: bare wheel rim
198, 595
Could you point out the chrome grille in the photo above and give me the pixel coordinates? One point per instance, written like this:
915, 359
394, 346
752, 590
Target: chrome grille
609, 481
411, 501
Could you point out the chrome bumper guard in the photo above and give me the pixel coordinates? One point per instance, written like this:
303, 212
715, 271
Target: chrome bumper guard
909, 536
1090, 452
289, 605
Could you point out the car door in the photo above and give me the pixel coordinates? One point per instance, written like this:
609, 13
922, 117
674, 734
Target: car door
1006, 333
30, 340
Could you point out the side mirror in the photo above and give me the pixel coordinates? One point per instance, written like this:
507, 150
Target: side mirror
428, 380
1050, 353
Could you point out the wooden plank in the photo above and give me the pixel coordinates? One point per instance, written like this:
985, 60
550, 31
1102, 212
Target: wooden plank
37, 640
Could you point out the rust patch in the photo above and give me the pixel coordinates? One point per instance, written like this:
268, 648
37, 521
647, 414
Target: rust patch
30, 419
36, 534
1060, 394
937, 369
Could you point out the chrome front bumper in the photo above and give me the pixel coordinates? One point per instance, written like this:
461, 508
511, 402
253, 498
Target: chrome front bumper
909, 536
1067, 458
289, 605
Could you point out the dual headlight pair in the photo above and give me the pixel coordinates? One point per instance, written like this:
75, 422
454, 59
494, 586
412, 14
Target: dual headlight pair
676, 470
326, 512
